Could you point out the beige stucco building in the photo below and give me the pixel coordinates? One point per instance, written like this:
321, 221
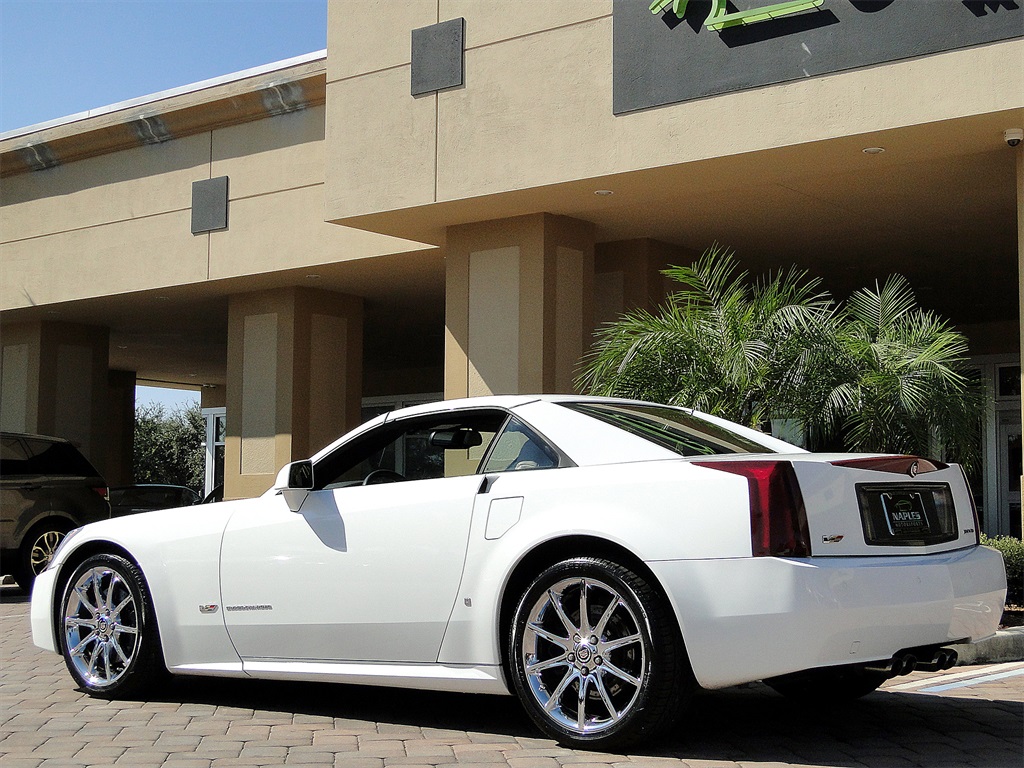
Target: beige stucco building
453, 195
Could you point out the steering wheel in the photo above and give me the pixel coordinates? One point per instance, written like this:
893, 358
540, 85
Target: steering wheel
379, 476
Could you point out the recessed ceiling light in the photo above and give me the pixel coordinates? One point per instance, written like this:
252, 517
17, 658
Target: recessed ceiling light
603, 192
873, 150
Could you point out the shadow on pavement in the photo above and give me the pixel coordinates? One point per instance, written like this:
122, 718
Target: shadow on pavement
881, 730
400, 706
11, 593
748, 723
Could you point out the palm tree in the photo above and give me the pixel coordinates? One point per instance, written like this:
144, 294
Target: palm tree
878, 375
905, 385
720, 344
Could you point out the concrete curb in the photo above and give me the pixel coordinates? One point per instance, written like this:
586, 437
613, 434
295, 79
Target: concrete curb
1004, 645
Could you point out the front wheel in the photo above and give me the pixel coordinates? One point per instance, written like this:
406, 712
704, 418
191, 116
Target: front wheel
108, 635
596, 658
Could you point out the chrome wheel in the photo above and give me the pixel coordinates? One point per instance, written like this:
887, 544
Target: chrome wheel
596, 657
41, 551
102, 625
583, 654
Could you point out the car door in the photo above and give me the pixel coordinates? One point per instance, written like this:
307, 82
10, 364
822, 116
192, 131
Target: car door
369, 567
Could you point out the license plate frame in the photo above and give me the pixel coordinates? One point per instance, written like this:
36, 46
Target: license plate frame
907, 514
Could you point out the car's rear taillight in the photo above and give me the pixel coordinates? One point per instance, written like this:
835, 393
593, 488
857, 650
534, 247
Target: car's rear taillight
778, 518
101, 490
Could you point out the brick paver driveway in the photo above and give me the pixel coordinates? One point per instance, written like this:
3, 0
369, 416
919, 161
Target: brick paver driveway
965, 717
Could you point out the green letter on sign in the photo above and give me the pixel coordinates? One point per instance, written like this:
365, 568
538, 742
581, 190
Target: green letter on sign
719, 18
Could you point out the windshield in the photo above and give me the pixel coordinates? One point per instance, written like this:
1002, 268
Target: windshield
673, 428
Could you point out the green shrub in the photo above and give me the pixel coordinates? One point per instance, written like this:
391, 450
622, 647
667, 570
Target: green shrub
1013, 556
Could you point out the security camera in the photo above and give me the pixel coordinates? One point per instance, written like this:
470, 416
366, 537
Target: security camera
1013, 136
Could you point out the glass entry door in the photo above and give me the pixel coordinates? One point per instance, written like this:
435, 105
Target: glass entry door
1008, 442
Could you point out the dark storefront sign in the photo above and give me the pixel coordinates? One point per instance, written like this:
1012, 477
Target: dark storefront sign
720, 46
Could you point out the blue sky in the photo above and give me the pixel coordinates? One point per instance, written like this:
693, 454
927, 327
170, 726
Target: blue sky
170, 399
60, 57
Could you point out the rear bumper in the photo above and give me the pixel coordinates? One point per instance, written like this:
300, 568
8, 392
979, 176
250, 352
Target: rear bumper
751, 618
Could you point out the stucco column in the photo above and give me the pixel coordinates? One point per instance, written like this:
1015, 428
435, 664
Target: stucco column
53, 381
628, 276
1020, 274
119, 441
518, 313
294, 380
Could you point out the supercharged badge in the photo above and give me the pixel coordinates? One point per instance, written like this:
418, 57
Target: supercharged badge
261, 607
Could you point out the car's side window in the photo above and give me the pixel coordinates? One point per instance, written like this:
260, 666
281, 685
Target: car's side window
419, 448
519, 448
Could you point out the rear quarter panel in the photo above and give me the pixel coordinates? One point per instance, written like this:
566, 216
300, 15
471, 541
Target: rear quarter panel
658, 510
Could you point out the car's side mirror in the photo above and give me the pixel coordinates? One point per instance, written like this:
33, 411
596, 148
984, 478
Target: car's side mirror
295, 481
300, 474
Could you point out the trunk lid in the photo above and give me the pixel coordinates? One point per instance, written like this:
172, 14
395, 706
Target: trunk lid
884, 505
853, 505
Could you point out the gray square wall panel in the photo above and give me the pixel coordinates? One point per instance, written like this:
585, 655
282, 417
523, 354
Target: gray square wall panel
209, 205
437, 56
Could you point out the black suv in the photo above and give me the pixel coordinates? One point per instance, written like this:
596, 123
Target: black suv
46, 488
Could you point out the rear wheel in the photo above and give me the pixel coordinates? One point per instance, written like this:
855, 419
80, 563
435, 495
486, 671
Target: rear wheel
596, 658
108, 635
37, 551
828, 685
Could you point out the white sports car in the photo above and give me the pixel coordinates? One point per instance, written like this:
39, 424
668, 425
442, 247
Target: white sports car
598, 558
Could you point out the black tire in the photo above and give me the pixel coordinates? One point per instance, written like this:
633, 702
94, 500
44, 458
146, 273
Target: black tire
830, 685
37, 550
629, 656
107, 630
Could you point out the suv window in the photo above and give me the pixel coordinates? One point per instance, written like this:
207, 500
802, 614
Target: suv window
671, 428
32, 456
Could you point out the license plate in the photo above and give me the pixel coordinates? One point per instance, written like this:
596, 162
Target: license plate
905, 513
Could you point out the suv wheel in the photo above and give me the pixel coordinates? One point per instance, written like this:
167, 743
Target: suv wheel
37, 551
